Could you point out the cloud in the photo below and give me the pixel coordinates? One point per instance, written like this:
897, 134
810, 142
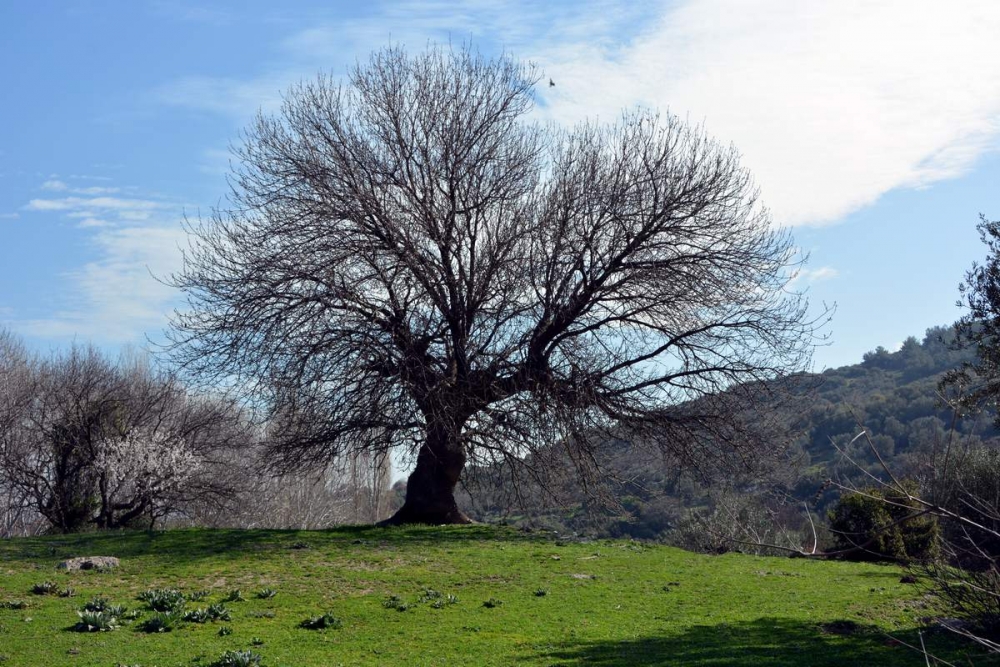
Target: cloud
9, 216
815, 275
77, 204
118, 297
832, 104
93, 222
55, 185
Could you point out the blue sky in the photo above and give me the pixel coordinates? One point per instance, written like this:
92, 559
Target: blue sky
872, 129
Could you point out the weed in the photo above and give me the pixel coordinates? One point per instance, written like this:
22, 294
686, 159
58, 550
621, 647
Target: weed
95, 621
492, 603
428, 595
225, 631
300, 545
45, 588
262, 614
161, 622
163, 599
197, 596
395, 602
14, 604
214, 612
238, 659
257, 641
235, 595
67, 593
540, 592
323, 622
266, 593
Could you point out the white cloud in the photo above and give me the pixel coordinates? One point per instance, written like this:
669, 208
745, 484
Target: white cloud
9, 216
95, 190
816, 275
93, 222
832, 104
55, 185
77, 203
119, 297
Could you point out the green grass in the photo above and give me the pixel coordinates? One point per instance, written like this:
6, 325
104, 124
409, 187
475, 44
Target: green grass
605, 603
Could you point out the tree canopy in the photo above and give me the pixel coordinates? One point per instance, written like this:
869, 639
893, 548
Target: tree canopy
407, 260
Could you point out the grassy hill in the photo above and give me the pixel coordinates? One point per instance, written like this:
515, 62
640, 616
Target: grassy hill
548, 602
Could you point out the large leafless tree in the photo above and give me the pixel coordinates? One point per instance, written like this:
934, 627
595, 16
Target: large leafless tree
409, 260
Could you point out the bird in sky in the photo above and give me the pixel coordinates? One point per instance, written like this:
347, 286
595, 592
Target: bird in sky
551, 83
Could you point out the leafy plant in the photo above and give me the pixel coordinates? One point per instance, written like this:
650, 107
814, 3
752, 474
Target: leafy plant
257, 641
95, 621
197, 596
540, 592
214, 612
266, 593
238, 659
492, 603
163, 599
14, 604
395, 602
323, 622
225, 631
67, 593
161, 621
45, 588
235, 595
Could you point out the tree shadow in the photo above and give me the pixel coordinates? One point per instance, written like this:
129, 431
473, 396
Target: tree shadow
773, 642
194, 544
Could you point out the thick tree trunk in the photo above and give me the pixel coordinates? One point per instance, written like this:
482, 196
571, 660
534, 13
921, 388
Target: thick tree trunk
430, 489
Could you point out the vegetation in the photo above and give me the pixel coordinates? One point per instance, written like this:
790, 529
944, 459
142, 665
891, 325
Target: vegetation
408, 262
606, 602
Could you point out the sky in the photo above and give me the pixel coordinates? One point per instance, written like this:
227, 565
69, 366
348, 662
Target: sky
872, 129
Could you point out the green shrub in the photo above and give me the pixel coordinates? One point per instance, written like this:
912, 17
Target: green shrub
238, 659
323, 622
871, 525
95, 621
163, 599
45, 588
161, 622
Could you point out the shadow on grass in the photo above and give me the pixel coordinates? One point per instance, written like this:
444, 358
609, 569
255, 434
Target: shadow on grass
192, 544
767, 641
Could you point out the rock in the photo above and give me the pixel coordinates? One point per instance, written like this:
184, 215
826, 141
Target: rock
89, 563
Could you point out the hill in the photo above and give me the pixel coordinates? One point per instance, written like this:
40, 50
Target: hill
518, 598
894, 395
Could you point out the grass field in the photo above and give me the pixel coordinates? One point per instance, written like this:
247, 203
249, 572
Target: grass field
547, 602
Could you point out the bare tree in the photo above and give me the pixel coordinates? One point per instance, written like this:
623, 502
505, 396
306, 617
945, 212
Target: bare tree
408, 262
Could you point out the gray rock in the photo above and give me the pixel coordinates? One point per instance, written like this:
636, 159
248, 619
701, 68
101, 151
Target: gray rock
89, 563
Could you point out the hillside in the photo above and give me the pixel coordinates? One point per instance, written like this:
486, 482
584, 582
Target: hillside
894, 395
519, 599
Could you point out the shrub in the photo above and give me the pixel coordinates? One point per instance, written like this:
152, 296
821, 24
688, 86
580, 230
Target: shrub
45, 588
235, 595
266, 593
163, 599
238, 659
871, 525
161, 622
95, 621
323, 622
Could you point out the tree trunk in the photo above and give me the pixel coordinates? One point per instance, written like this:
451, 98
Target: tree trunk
430, 489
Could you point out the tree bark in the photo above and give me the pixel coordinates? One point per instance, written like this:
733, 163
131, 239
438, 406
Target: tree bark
430, 489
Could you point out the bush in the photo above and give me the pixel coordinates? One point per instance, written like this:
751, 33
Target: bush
871, 525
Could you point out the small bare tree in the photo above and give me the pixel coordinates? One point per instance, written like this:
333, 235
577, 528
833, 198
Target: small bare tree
408, 262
